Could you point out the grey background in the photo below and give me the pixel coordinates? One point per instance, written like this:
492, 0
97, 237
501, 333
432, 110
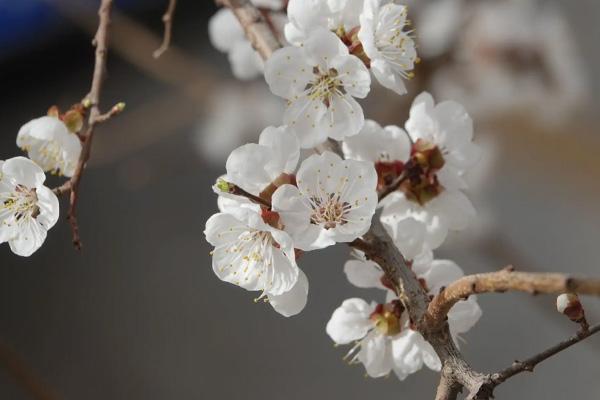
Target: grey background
139, 313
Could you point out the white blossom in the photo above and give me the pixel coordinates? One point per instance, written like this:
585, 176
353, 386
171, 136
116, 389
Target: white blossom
389, 47
254, 107
431, 195
439, 24
382, 341
307, 15
27, 207
448, 126
334, 201
258, 257
49, 143
227, 36
319, 80
253, 166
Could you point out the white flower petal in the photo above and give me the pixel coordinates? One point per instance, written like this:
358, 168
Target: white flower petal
386, 76
305, 117
344, 117
245, 62
287, 72
375, 354
463, 316
410, 351
454, 208
375, 144
323, 47
30, 238
286, 149
23, 171
293, 301
350, 321
363, 274
224, 30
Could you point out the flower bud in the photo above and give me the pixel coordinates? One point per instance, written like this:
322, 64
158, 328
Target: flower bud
73, 119
569, 304
119, 107
223, 185
53, 112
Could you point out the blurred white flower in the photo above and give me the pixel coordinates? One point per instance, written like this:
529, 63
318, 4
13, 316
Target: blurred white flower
389, 47
269, 4
439, 23
511, 56
28, 209
253, 106
258, 257
334, 201
49, 143
319, 80
383, 342
227, 35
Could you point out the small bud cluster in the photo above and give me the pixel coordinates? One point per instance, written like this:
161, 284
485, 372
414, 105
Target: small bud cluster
28, 209
53, 144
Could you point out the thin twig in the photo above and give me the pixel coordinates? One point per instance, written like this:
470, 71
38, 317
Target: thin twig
392, 187
502, 281
93, 99
238, 191
23, 375
529, 364
168, 22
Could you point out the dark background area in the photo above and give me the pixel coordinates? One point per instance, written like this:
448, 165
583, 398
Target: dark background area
139, 314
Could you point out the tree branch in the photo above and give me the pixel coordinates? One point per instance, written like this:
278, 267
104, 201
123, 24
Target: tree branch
502, 281
529, 364
95, 117
23, 375
256, 28
168, 21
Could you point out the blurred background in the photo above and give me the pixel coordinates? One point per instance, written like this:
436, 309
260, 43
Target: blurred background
139, 314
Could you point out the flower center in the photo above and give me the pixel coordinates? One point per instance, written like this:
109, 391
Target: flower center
324, 86
422, 183
387, 172
386, 318
22, 202
329, 211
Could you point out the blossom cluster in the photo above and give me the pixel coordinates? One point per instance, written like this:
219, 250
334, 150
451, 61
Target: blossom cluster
293, 192
28, 209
